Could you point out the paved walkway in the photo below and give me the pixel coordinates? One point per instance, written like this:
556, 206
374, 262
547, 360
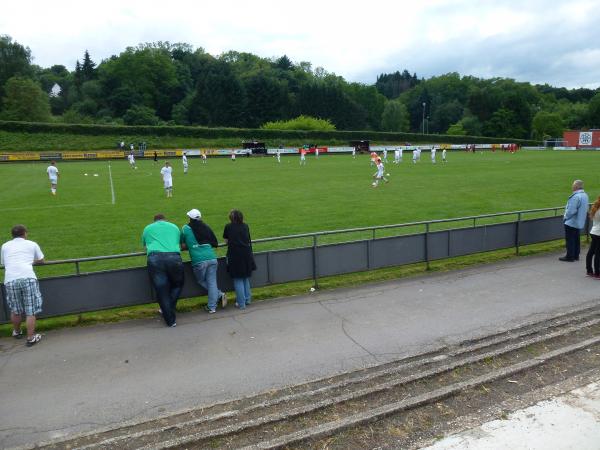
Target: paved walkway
86, 378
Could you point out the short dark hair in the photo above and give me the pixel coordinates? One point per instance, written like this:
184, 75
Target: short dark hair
18, 231
236, 216
159, 217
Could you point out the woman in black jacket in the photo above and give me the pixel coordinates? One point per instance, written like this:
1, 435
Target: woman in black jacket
240, 261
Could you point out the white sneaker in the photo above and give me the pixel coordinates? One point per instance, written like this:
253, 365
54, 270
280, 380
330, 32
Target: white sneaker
34, 340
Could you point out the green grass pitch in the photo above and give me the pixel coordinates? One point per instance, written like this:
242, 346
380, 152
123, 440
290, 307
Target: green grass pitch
332, 192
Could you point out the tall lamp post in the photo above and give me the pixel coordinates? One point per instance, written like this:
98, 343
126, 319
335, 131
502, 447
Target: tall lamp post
423, 123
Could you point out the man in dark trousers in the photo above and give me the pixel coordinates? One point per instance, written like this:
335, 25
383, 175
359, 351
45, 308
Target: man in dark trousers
161, 240
574, 220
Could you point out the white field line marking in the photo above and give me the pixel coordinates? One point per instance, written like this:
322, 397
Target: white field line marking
74, 205
112, 188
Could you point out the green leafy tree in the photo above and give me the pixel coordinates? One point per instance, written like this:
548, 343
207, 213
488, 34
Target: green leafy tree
395, 117
266, 98
594, 111
456, 130
300, 123
471, 125
140, 115
24, 100
219, 99
503, 123
15, 60
547, 124
147, 72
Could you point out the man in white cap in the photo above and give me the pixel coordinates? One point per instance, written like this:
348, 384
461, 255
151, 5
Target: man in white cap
167, 176
200, 241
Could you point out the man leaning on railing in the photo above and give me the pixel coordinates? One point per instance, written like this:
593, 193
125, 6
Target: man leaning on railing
161, 240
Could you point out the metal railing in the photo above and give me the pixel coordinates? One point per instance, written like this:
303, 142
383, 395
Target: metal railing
314, 236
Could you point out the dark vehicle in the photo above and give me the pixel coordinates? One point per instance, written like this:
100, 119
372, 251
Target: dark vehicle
257, 148
361, 146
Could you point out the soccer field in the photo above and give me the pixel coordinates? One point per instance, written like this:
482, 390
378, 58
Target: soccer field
332, 192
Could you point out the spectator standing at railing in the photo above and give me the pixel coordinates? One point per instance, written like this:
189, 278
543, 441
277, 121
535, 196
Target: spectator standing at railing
22, 288
199, 240
165, 267
240, 260
594, 250
574, 220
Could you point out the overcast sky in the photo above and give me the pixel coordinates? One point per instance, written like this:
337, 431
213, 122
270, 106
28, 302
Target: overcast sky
554, 42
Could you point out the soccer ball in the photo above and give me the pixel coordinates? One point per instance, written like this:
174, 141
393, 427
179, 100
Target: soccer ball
135, 167
387, 174
312, 289
374, 184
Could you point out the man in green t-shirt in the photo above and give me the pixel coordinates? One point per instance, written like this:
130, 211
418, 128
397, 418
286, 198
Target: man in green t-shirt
161, 240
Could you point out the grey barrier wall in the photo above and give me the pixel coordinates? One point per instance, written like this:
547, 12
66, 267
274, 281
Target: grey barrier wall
127, 287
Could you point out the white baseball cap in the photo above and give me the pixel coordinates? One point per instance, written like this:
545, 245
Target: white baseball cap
194, 214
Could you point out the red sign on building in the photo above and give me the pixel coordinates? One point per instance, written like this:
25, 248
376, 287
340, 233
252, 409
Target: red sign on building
582, 139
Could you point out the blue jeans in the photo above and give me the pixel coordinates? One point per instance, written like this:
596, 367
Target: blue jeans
166, 273
243, 296
206, 276
572, 242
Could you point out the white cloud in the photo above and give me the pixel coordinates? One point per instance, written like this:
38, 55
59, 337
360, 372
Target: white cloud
357, 40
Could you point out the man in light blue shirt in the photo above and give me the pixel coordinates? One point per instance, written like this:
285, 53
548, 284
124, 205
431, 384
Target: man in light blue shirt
574, 220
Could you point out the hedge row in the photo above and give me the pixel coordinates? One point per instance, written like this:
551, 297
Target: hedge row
269, 136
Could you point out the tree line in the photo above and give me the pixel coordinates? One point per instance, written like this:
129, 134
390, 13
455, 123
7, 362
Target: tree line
174, 84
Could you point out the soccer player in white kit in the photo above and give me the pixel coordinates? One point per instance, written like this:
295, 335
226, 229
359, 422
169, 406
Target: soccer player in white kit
185, 163
418, 153
379, 175
316, 152
232, 155
303, 157
167, 176
203, 157
433, 150
385, 154
415, 156
131, 160
396, 156
53, 175
353, 152
278, 156
444, 155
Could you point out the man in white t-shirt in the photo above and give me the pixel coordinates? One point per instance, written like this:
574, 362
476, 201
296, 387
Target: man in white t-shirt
53, 175
433, 150
131, 159
444, 155
185, 163
22, 288
167, 176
